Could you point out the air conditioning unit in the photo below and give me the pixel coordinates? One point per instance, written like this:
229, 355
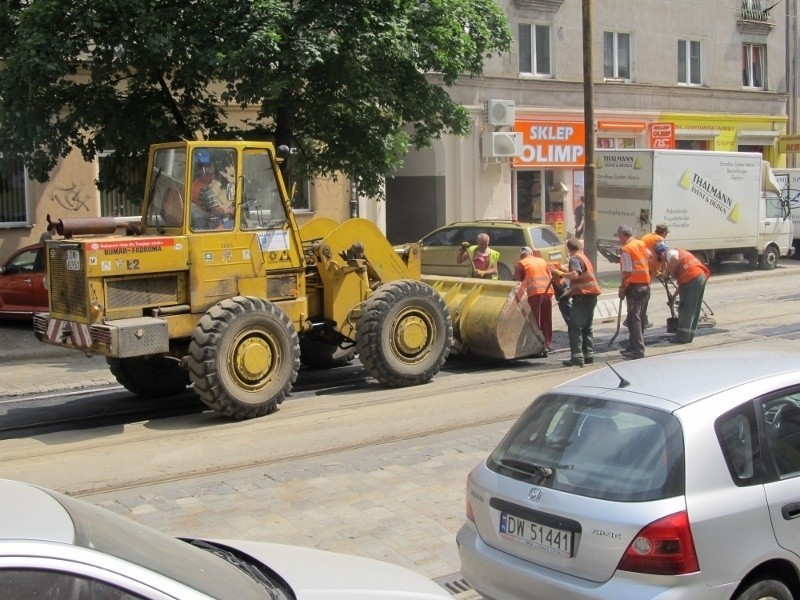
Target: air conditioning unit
501, 144
499, 113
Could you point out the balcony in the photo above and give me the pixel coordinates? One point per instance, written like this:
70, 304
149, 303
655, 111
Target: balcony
539, 5
755, 20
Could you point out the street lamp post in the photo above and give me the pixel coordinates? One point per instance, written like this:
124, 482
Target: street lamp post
590, 183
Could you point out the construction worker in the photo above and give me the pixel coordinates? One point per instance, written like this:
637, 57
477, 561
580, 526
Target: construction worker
482, 258
634, 288
584, 290
690, 276
650, 240
536, 276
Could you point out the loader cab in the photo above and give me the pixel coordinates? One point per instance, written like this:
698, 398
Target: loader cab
195, 188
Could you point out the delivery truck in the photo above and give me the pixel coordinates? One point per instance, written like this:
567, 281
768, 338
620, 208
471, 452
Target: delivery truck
716, 204
789, 181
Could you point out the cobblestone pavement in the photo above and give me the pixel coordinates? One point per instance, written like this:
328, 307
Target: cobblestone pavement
401, 502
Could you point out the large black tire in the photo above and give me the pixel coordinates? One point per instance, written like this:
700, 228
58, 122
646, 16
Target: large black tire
404, 333
154, 377
316, 354
244, 357
769, 260
766, 589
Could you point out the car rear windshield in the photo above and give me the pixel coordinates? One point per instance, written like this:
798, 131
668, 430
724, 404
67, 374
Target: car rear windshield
596, 448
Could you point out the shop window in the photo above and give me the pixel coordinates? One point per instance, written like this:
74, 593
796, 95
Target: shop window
13, 205
535, 49
616, 55
611, 143
689, 62
693, 145
753, 58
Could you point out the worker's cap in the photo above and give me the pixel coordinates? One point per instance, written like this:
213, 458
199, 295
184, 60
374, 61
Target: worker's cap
202, 157
661, 248
625, 230
526, 250
662, 228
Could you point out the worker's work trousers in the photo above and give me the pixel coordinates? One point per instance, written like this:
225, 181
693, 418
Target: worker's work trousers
581, 335
637, 297
691, 304
542, 309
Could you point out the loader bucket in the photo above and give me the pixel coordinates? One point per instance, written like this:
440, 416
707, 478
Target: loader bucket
490, 318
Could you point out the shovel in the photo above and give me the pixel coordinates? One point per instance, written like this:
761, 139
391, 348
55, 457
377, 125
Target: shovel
672, 322
619, 321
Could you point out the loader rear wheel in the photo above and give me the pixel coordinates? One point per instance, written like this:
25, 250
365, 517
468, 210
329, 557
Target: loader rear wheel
243, 357
504, 273
316, 354
404, 333
153, 377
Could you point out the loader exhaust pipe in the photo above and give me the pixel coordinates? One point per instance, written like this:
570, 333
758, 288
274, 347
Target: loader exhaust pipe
68, 228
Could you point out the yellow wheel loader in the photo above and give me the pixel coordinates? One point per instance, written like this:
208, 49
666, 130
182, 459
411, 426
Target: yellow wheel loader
218, 287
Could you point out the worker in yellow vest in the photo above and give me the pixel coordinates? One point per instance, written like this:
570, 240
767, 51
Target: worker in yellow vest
482, 258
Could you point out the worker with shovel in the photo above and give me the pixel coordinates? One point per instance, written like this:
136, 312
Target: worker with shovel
690, 276
584, 290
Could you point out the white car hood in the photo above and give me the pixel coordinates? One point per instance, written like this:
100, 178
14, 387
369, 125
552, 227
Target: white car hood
316, 574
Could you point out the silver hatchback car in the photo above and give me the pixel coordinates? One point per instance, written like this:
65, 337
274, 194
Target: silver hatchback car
673, 477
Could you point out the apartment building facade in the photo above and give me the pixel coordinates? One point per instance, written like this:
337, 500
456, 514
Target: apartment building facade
706, 74
699, 74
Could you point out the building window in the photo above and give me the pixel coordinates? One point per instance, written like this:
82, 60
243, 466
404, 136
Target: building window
120, 203
689, 62
616, 55
13, 207
534, 49
618, 143
753, 56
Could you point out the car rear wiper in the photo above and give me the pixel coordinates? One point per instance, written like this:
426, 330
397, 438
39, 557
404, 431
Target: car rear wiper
533, 469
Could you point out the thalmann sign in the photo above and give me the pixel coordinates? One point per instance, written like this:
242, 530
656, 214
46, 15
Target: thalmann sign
551, 144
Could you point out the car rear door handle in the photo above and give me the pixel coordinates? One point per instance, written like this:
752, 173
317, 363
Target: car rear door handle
791, 511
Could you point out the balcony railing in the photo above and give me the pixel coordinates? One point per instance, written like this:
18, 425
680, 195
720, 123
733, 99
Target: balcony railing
754, 20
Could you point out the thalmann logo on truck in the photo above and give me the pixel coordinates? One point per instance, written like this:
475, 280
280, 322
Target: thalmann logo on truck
710, 194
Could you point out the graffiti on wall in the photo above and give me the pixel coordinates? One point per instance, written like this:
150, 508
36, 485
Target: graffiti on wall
71, 198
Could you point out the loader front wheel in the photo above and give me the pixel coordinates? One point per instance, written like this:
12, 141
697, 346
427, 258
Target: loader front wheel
244, 357
404, 333
152, 377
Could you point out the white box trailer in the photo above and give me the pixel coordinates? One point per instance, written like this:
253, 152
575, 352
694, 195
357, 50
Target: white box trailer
716, 204
789, 182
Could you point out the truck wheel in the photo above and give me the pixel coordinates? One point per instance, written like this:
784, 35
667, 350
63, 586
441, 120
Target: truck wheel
243, 357
316, 354
770, 259
154, 377
404, 333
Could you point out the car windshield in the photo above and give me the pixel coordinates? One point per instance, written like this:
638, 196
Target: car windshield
595, 447
106, 532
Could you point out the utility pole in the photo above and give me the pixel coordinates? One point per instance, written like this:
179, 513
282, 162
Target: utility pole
589, 181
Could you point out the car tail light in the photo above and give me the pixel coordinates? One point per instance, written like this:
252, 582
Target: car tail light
470, 514
664, 547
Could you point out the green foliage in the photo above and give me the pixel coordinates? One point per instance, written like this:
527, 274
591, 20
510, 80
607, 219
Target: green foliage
344, 81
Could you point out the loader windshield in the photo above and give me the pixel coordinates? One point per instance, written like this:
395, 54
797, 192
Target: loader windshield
166, 191
262, 207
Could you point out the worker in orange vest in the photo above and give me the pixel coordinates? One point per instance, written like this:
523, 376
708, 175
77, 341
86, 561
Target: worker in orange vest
535, 275
690, 276
584, 290
634, 288
651, 240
